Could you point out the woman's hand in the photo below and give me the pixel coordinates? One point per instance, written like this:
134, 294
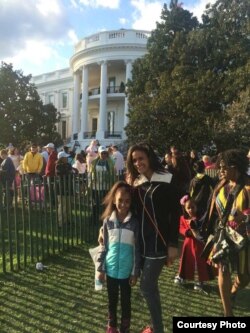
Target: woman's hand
172, 255
132, 281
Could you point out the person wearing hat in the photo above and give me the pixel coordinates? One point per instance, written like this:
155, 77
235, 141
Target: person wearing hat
64, 152
50, 166
32, 162
101, 179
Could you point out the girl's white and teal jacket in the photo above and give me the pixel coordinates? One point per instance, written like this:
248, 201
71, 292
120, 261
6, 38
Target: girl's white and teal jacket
120, 258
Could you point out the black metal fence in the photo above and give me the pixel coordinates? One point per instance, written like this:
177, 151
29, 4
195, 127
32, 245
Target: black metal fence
42, 217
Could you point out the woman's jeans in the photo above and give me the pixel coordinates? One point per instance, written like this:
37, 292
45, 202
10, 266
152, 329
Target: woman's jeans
149, 287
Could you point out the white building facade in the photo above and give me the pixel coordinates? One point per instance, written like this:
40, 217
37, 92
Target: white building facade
90, 95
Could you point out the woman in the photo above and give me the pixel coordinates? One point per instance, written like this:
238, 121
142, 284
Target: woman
80, 164
167, 161
158, 213
181, 173
193, 158
232, 166
13, 153
201, 187
92, 153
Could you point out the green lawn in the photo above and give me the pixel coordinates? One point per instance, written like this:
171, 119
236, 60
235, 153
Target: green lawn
62, 298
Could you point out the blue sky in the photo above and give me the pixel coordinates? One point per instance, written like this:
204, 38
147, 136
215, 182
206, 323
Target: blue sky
38, 36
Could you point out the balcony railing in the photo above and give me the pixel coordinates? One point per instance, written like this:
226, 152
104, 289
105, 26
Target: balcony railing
110, 90
109, 134
89, 135
114, 37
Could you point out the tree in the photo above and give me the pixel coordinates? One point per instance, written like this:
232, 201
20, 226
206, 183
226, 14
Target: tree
23, 117
153, 113
225, 33
235, 132
182, 89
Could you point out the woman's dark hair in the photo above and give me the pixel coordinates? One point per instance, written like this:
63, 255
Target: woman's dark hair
234, 157
80, 158
199, 167
154, 160
108, 201
194, 152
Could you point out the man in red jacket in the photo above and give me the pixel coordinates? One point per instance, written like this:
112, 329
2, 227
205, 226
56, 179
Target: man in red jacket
50, 166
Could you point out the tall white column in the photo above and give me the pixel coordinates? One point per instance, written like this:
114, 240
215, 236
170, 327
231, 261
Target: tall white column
76, 104
128, 76
85, 99
103, 102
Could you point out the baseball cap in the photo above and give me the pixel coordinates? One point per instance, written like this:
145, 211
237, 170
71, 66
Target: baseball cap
50, 145
102, 149
62, 154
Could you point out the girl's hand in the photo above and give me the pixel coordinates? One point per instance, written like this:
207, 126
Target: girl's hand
197, 235
100, 276
100, 236
132, 281
172, 255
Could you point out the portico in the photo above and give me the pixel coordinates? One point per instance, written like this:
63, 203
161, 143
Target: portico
104, 95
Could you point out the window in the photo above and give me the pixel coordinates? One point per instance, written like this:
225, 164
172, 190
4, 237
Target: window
51, 99
64, 100
64, 129
111, 122
111, 85
94, 124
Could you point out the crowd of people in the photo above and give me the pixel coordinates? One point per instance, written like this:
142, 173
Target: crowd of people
153, 202
38, 162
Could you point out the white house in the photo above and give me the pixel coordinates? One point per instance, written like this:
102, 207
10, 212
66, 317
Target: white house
90, 95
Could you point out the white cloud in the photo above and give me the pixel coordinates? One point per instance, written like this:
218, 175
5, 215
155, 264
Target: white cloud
123, 20
30, 20
74, 3
32, 32
38, 57
112, 4
146, 14
199, 8
48, 7
73, 37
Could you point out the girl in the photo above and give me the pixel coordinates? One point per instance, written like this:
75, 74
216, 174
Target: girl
120, 259
192, 247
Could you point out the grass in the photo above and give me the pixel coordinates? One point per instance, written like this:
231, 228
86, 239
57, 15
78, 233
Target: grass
62, 299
